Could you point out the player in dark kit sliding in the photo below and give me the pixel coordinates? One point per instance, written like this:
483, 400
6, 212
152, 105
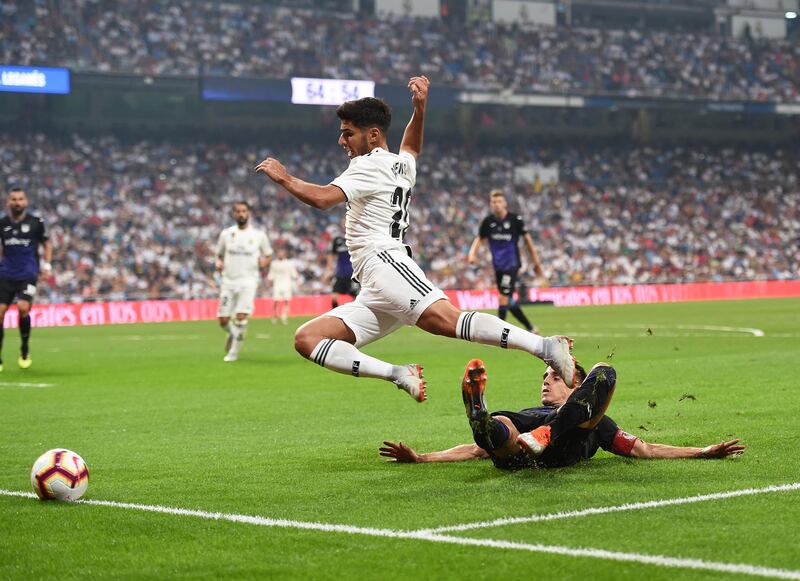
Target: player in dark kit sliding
569, 426
503, 230
21, 234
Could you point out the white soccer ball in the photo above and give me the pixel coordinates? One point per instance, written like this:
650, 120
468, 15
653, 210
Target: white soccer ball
59, 474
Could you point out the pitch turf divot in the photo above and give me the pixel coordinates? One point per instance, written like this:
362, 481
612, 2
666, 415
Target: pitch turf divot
609, 509
657, 560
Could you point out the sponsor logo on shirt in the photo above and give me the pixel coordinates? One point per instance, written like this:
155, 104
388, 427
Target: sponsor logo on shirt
17, 242
499, 236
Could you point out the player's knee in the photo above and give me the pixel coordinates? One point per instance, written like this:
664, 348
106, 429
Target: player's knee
305, 341
604, 372
223, 321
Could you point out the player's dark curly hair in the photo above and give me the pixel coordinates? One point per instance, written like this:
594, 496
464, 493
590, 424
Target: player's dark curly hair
365, 113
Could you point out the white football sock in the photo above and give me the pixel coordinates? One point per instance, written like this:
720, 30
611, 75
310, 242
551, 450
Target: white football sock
491, 330
343, 357
239, 331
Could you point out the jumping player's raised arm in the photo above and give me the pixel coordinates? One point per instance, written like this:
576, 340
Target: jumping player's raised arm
412, 136
314, 195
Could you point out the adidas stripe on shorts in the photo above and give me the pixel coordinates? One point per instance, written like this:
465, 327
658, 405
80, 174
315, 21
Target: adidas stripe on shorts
394, 292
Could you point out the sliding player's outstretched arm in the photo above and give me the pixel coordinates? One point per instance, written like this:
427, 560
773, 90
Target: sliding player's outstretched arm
663, 451
405, 454
412, 136
316, 196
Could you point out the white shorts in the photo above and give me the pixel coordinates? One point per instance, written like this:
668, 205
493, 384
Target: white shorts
394, 292
281, 292
236, 298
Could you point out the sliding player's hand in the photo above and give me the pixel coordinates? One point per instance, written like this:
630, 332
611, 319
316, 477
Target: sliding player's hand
419, 90
399, 452
722, 450
274, 170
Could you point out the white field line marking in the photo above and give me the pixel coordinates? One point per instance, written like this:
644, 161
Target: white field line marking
658, 560
156, 338
662, 334
753, 331
23, 384
718, 328
609, 509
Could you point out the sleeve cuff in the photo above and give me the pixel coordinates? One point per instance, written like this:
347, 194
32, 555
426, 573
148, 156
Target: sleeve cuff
623, 443
344, 191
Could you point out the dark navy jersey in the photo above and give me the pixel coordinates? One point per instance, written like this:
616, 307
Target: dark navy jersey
576, 445
344, 269
503, 235
20, 242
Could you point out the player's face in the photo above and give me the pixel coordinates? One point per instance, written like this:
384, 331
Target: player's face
554, 390
498, 206
354, 140
241, 214
17, 203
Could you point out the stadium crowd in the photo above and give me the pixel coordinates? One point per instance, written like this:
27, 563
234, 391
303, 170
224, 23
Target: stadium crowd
167, 37
141, 220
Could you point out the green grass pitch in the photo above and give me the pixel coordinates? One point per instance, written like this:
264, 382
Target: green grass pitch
161, 420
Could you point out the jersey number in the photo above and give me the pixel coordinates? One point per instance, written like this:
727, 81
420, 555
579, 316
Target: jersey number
400, 199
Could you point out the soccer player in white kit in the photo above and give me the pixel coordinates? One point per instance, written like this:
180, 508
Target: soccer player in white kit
283, 276
241, 252
394, 290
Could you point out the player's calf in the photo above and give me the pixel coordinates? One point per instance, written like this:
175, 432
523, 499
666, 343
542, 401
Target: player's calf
488, 432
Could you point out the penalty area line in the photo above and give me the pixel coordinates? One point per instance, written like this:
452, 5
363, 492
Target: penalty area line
657, 560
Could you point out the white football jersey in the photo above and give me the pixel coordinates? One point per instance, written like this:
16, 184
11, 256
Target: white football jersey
282, 272
240, 251
377, 186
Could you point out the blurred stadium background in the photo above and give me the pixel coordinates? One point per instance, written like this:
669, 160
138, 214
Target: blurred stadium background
645, 142
642, 141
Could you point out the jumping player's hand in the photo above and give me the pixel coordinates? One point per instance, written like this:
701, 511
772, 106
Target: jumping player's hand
419, 90
274, 170
722, 450
399, 452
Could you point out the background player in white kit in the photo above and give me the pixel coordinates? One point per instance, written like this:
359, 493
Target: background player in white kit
241, 252
394, 290
284, 277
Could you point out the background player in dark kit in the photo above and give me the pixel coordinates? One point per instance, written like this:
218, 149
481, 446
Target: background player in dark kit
341, 269
503, 229
21, 234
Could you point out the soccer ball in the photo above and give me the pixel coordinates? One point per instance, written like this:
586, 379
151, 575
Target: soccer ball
60, 475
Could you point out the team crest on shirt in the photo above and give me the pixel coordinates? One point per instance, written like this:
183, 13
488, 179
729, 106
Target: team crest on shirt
506, 225
25, 228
